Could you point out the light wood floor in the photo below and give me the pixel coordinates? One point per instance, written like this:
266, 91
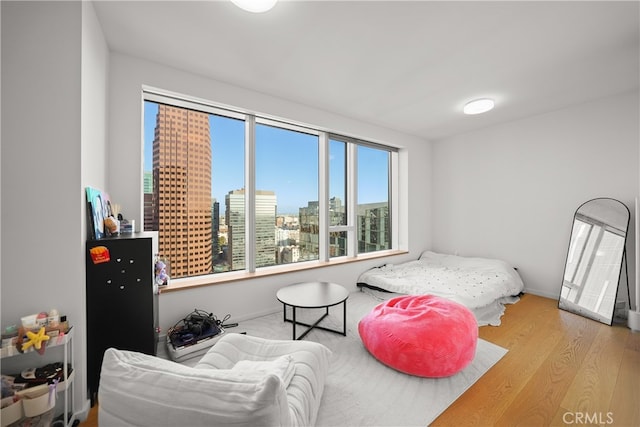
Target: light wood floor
561, 369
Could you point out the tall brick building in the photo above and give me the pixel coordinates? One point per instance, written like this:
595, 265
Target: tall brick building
182, 190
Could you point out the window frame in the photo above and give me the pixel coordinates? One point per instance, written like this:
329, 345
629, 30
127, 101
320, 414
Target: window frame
251, 119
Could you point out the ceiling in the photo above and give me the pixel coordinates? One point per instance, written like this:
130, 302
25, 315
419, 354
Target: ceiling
408, 66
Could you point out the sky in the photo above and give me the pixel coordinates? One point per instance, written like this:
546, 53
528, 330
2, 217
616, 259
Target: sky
286, 163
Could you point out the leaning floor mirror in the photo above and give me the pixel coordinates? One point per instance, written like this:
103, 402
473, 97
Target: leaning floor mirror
594, 260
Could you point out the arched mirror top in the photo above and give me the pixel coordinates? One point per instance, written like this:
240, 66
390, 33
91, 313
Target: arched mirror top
607, 211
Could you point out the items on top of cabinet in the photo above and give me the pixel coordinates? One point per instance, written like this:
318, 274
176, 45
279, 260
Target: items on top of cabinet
99, 209
104, 218
127, 226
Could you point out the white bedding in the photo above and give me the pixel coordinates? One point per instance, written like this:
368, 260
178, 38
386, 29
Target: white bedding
483, 285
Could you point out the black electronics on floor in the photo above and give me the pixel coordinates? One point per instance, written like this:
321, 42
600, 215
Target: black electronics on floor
121, 299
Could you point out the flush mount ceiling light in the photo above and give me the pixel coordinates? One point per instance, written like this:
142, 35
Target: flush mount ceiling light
478, 106
255, 6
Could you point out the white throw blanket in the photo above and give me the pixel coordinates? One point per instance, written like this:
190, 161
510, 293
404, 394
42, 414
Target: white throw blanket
480, 284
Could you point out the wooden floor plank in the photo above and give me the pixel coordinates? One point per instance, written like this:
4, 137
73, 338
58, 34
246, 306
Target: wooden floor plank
539, 400
594, 384
625, 404
527, 307
633, 343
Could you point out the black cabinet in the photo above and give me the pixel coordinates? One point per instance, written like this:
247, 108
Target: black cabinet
122, 299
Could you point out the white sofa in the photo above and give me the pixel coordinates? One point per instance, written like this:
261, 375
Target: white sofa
241, 381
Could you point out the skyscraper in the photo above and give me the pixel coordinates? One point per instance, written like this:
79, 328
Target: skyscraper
148, 201
234, 218
181, 162
215, 221
373, 227
309, 229
265, 228
148, 182
265, 244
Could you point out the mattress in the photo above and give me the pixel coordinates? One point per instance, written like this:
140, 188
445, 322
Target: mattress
483, 285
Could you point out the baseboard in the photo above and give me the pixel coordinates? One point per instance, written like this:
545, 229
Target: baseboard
82, 414
541, 293
633, 320
257, 314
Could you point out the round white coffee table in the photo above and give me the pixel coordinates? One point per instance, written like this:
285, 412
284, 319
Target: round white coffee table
313, 295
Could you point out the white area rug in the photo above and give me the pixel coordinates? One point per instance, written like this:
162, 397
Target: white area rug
360, 391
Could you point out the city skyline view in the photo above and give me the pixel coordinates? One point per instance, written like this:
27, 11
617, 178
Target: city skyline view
298, 186
195, 195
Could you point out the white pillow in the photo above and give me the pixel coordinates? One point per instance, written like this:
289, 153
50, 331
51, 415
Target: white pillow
282, 367
142, 390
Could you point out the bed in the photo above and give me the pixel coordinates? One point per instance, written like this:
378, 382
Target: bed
483, 285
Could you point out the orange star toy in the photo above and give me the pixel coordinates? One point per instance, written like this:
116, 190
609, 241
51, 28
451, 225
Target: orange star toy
36, 340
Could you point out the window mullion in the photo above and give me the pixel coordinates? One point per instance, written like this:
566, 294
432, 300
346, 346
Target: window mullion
323, 197
352, 199
250, 192
394, 189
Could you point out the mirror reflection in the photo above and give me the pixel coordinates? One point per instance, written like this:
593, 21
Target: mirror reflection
594, 260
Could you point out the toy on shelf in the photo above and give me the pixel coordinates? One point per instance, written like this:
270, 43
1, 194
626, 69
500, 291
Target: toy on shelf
162, 274
36, 340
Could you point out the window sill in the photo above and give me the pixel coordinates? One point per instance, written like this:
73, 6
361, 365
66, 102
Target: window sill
194, 282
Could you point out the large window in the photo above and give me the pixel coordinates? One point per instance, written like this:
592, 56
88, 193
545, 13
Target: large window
230, 191
286, 195
373, 199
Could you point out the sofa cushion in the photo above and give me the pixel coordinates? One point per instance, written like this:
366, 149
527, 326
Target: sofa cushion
311, 361
283, 367
142, 390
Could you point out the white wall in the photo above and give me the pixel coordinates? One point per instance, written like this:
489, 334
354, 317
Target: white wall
250, 297
510, 191
95, 66
42, 219
93, 123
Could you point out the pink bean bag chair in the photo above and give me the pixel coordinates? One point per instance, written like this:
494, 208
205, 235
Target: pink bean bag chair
422, 335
